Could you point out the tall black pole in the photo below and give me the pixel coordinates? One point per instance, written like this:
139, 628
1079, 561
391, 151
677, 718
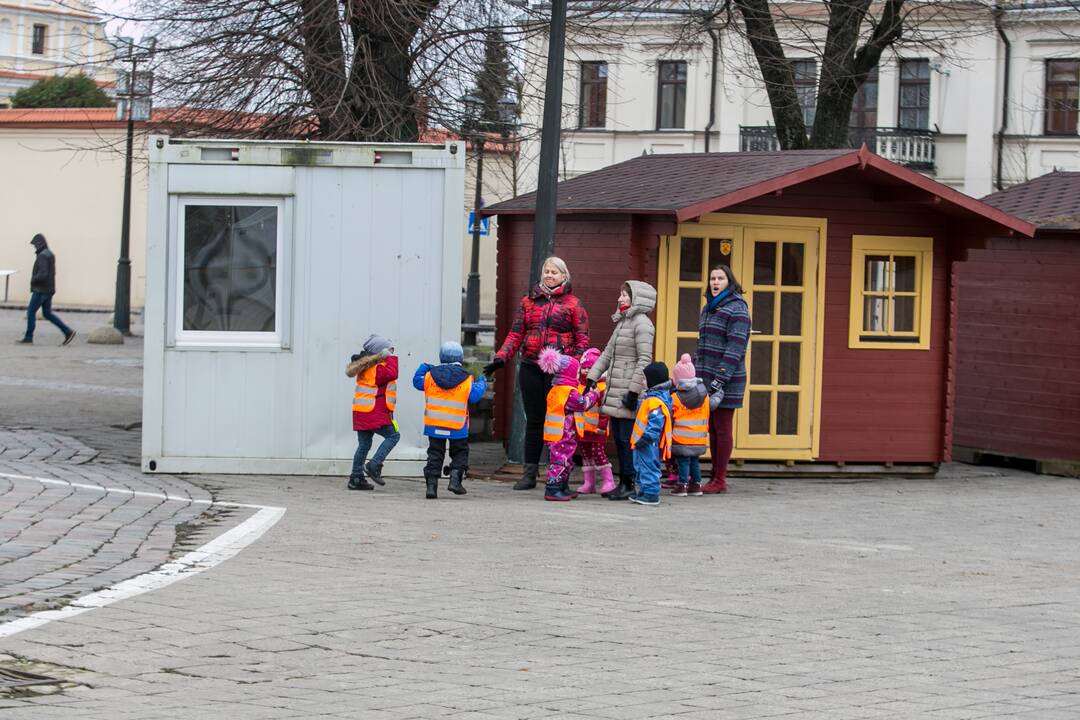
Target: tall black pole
472, 286
122, 305
548, 179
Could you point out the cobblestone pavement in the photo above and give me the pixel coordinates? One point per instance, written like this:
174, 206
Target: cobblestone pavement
956, 597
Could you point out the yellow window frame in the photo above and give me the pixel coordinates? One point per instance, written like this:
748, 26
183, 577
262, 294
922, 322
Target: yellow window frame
922, 250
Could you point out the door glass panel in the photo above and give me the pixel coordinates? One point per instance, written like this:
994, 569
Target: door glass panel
791, 314
792, 264
789, 363
762, 315
764, 263
877, 269
760, 420
873, 314
717, 256
690, 259
690, 302
904, 314
761, 355
905, 273
787, 413
686, 345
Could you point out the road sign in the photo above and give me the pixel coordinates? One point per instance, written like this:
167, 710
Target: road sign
485, 224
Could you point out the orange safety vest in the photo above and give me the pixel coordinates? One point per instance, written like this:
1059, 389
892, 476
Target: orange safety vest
556, 412
366, 391
588, 422
447, 409
690, 426
642, 421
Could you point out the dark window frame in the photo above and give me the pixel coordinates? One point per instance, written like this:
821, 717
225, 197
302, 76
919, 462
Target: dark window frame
1049, 114
678, 106
806, 86
37, 42
592, 96
920, 110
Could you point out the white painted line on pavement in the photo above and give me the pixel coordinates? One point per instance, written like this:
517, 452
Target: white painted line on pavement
127, 491
212, 553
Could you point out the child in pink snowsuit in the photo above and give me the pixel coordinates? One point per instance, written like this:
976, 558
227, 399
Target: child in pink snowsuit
560, 426
592, 427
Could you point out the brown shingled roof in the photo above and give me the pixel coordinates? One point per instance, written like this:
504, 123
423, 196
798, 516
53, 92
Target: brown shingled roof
1051, 202
687, 186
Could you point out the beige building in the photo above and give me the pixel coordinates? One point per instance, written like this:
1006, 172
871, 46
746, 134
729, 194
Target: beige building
41, 38
63, 177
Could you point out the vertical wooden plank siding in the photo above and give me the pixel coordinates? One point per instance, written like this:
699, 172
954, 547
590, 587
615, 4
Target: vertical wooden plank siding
1018, 378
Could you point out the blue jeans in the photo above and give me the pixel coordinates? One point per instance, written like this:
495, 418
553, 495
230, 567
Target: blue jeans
648, 467
390, 437
43, 301
689, 470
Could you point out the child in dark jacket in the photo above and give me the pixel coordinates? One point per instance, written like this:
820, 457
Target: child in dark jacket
651, 437
690, 408
560, 423
448, 389
374, 399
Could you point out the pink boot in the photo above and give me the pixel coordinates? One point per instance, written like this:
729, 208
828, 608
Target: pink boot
589, 486
609, 480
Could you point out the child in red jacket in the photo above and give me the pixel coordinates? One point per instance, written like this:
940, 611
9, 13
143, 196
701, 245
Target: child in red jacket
374, 399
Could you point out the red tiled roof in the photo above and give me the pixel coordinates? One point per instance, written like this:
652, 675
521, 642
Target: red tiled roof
106, 117
690, 185
1051, 202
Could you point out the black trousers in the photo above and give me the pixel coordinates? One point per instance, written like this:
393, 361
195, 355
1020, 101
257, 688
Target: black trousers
534, 384
436, 451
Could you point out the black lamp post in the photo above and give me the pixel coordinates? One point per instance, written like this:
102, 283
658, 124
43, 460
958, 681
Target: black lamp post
475, 125
134, 90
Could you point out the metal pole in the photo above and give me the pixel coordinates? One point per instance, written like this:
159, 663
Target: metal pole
122, 305
548, 179
472, 286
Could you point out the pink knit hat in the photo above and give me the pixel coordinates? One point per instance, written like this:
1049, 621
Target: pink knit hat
589, 358
684, 369
563, 367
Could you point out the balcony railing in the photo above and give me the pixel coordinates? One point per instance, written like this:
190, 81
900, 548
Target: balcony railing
912, 148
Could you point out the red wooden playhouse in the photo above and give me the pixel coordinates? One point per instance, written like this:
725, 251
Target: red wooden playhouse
846, 262
1018, 377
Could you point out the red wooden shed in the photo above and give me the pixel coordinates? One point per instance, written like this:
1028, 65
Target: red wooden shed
1018, 376
845, 258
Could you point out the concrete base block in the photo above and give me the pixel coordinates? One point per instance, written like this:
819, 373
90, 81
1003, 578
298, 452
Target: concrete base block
105, 336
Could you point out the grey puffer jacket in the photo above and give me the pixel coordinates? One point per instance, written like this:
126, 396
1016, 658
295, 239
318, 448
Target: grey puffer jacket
628, 351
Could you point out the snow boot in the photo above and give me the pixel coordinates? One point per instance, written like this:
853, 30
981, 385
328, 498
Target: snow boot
455, 486
432, 486
609, 481
589, 485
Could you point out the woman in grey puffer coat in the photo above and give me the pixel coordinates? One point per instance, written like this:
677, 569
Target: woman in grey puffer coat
628, 351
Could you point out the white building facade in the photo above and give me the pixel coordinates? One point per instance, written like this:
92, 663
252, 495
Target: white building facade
42, 38
645, 85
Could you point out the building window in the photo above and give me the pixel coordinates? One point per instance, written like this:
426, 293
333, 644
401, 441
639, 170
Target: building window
230, 259
38, 46
1062, 91
891, 287
592, 105
806, 88
864, 106
671, 95
915, 94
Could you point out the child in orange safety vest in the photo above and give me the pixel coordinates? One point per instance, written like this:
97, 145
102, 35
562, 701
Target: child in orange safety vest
651, 436
592, 432
564, 401
448, 390
374, 399
690, 408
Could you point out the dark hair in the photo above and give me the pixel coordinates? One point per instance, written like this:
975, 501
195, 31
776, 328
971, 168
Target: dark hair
733, 283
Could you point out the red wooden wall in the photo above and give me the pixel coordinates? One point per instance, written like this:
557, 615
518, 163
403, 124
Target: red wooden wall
1018, 377
877, 405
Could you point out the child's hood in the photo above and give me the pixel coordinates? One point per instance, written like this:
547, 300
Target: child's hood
692, 392
448, 376
662, 391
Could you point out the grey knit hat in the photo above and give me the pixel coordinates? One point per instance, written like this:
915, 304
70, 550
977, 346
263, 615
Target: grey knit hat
376, 344
451, 352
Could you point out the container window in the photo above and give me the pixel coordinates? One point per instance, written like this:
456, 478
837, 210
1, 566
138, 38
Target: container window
891, 292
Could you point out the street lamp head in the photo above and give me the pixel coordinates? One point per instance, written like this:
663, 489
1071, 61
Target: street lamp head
508, 115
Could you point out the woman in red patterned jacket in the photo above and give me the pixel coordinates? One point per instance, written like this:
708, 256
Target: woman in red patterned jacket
549, 316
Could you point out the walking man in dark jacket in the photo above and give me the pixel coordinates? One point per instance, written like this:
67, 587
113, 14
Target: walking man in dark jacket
42, 288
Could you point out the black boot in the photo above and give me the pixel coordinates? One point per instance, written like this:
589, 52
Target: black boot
625, 489
432, 486
374, 472
359, 482
528, 477
455, 486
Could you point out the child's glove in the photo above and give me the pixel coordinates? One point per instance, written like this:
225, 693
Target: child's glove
716, 386
590, 384
715, 399
630, 401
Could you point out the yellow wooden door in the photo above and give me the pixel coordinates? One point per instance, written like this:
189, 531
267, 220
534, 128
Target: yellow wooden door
779, 262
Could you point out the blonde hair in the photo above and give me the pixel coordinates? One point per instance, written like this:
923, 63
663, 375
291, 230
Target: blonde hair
559, 264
